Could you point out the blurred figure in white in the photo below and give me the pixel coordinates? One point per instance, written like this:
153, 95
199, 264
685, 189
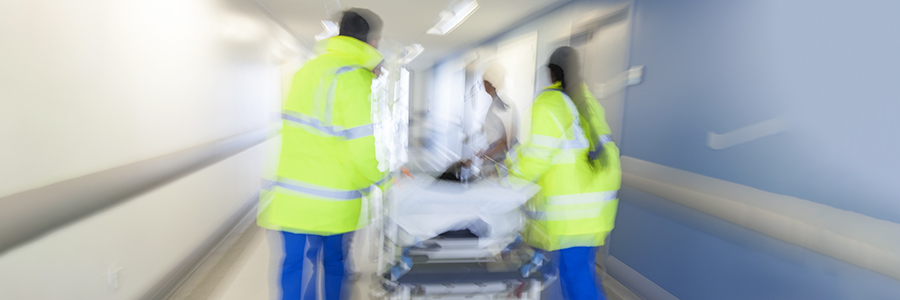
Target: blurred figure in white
493, 131
501, 122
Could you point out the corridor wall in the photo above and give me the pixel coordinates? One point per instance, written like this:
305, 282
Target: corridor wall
788, 103
92, 86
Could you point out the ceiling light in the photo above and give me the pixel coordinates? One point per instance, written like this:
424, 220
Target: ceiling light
452, 17
412, 52
331, 30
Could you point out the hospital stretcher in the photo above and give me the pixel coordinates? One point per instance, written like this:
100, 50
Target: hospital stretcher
419, 260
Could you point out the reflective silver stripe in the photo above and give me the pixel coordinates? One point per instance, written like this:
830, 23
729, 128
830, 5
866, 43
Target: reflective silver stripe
563, 215
579, 141
318, 191
359, 132
310, 122
606, 138
346, 69
380, 182
582, 198
574, 144
336, 131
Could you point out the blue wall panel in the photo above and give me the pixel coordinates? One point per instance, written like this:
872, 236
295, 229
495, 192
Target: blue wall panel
829, 70
696, 256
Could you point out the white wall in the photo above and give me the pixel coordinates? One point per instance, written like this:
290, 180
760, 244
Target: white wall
91, 85
446, 106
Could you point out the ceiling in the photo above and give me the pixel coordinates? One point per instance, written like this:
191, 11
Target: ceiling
406, 21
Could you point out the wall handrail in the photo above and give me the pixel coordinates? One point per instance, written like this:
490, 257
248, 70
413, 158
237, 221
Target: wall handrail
855, 238
28, 215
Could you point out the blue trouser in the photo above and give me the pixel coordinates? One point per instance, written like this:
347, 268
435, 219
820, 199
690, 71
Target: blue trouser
577, 274
299, 271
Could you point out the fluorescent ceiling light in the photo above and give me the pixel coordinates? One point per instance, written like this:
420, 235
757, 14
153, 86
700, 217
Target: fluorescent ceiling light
331, 30
452, 17
412, 52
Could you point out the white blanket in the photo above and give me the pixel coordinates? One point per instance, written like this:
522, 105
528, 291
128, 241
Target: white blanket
425, 207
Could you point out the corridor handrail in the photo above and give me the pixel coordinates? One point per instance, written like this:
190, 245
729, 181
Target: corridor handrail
855, 238
27, 215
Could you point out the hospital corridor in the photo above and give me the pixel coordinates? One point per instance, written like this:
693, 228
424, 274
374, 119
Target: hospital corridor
449, 149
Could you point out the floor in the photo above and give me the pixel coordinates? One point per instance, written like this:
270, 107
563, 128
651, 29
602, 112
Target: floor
247, 271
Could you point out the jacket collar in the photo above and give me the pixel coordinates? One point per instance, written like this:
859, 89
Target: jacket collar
555, 86
361, 53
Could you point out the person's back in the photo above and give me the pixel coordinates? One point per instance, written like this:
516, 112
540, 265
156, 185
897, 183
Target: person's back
327, 160
325, 114
573, 158
555, 157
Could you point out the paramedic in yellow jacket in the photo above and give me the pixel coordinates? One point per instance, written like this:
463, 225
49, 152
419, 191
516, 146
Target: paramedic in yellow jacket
327, 161
570, 154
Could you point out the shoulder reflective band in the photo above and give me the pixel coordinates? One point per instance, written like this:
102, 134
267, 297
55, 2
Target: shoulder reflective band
329, 96
582, 198
346, 69
318, 191
580, 140
295, 118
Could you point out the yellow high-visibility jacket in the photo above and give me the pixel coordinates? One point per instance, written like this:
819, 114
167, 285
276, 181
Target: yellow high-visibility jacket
576, 206
327, 161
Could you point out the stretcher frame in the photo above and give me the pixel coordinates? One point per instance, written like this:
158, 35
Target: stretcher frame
445, 268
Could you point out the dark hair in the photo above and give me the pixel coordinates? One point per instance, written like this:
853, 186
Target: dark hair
557, 73
360, 24
565, 67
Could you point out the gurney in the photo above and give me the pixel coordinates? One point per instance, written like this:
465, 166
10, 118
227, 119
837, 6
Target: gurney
420, 261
